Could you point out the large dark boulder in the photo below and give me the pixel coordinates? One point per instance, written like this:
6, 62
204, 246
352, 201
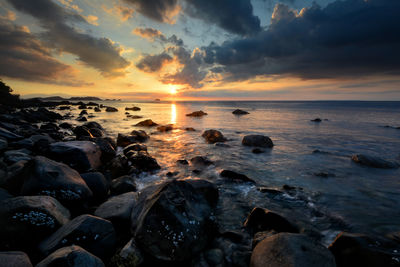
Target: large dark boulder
374, 162
173, 222
140, 136
72, 256
146, 123
235, 177
98, 184
142, 161
38, 143
93, 125
4, 133
3, 144
79, 155
135, 137
13, 156
122, 185
257, 140
106, 148
129, 256
134, 147
291, 250
94, 234
47, 177
213, 136
25, 221
14, 259
199, 113
360, 250
263, 219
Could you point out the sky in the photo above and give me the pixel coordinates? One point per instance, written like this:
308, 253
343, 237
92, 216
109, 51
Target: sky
202, 49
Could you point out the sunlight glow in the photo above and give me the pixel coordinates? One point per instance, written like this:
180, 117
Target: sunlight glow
172, 89
173, 113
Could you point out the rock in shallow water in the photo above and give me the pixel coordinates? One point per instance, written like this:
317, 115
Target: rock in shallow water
111, 109
374, 162
174, 221
122, 185
290, 250
199, 113
27, 220
146, 123
213, 136
235, 177
73, 256
239, 112
257, 140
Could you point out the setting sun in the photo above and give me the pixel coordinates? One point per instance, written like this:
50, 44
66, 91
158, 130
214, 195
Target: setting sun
172, 89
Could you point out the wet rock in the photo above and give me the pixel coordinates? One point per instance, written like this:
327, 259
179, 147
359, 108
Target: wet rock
82, 132
214, 257
263, 219
374, 162
93, 234
83, 112
118, 210
111, 109
38, 143
93, 124
182, 161
190, 129
235, 177
257, 151
146, 123
201, 161
82, 107
316, 120
142, 161
6, 134
135, 147
173, 222
239, 112
3, 144
165, 128
134, 137
97, 109
199, 113
324, 174
260, 236
213, 136
96, 132
80, 155
15, 175
47, 177
14, 259
98, 184
26, 220
287, 249
106, 148
129, 256
13, 156
257, 140
64, 108
81, 118
72, 256
222, 145
172, 174
360, 250
134, 116
49, 127
140, 136
133, 108
122, 185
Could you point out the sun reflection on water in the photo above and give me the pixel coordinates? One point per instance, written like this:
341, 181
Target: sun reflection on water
173, 113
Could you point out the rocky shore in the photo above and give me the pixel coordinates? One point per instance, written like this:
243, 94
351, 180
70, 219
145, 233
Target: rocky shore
68, 197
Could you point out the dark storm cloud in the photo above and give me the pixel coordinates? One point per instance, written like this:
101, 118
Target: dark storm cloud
154, 34
99, 53
153, 63
345, 39
159, 10
24, 57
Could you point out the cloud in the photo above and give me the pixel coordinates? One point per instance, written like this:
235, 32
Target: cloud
159, 10
154, 34
99, 53
91, 19
350, 38
123, 12
24, 57
9, 16
153, 63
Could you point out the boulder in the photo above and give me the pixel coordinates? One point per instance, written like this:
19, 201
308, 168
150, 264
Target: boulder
134, 116
142, 161
173, 221
13, 156
134, 137
14, 259
80, 155
134, 147
263, 219
98, 184
316, 120
97, 109
200, 161
49, 127
213, 136
83, 112
374, 162
111, 109
165, 128
146, 123
257, 140
65, 125
129, 256
239, 112
190, 129
118, 210
352, 249
140, 136
106, 148
39, 143
235, 177
3, 144
26, 220
6, 134
94, 234
122, 185
133, 108
93, 124
82, 132
72, 256
47, 177
290, 250
182, 162
199, 113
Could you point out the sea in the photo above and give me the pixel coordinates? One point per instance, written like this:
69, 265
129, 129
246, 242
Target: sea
347, 197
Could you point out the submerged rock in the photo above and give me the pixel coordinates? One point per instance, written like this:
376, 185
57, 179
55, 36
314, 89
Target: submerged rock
201, 161
213, 136
291, 250
133, 108
146, 123
374, 162
14, 259
257, 140
72, 256
97, 109
173, 222
199, 113
142, 161
239, 112
182, 161
111, 109
165, 128
236, 177
263, 219
80, 155
190, 129
47, 177
94, 234
26, 220
316, 120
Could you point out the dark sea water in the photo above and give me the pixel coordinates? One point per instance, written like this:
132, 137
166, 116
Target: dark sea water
352, 198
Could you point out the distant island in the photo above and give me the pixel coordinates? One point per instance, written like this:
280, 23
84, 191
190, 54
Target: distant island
75, 98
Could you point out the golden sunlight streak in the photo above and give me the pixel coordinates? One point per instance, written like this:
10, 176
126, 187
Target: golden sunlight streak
173, 113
